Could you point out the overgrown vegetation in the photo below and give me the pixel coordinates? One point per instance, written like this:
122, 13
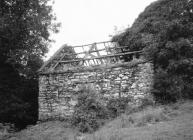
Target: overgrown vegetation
24, 40
149, 124
165, 32
172, 121
117, 106
89, 112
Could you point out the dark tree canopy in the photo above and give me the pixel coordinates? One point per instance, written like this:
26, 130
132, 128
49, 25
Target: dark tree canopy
165, 31
25, 27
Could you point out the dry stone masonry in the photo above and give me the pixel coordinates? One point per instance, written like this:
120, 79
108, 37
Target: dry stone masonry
58, 91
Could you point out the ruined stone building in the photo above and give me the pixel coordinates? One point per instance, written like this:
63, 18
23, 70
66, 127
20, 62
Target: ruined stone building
102, 66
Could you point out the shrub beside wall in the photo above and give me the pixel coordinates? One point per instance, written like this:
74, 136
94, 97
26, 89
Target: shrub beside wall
89, 113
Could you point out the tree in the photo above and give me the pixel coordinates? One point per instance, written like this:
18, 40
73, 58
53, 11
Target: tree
25, 28
165, 32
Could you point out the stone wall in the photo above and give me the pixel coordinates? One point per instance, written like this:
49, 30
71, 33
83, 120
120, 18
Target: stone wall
58, 92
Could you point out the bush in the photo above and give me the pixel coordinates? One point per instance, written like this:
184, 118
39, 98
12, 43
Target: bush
166, 38
116, 106
150, 115
148, 100
171, 87
89, 113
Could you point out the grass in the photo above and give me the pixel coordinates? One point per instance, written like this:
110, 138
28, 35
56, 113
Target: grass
171, 122
152, 123
151, 115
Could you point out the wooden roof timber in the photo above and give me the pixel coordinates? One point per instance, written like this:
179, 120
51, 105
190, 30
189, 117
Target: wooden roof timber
59, 50
122, 47
101, 57
95, 68
93, 43
84, 52
51, 58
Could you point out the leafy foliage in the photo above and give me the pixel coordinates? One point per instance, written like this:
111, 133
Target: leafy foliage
165, 32
117, 106
24, 31
89, 113
24, 38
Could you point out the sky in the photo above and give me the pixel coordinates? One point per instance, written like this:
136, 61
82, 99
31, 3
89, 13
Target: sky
89, 21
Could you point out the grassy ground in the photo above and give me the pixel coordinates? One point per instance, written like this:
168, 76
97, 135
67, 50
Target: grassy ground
172, 122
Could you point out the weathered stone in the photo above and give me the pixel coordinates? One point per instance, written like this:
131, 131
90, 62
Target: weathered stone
58, 93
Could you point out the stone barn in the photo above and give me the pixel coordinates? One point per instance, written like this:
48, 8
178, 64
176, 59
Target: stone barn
111, 70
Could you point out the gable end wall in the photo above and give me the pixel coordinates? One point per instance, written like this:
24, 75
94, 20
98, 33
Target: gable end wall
58, 92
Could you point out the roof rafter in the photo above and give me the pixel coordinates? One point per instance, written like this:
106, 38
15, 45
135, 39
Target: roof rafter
111, 55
